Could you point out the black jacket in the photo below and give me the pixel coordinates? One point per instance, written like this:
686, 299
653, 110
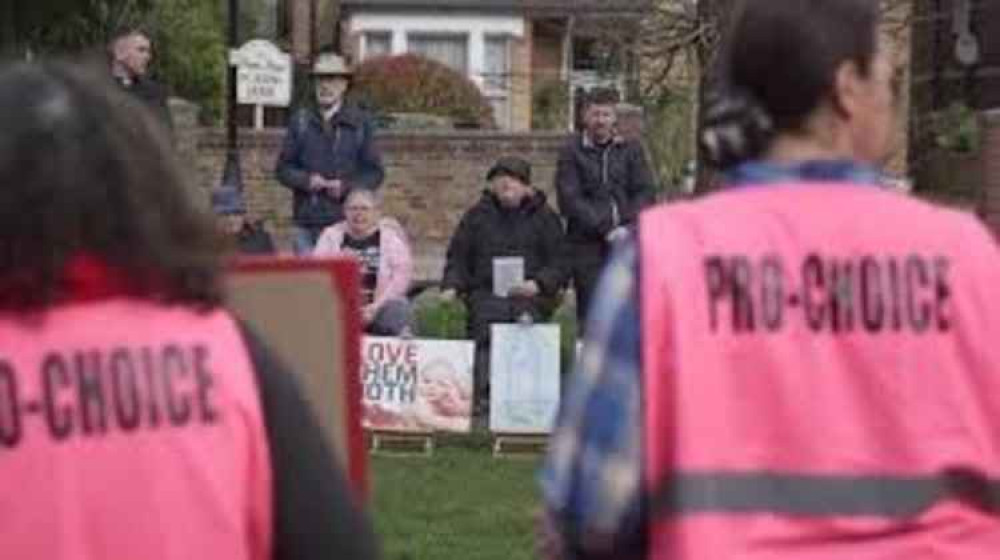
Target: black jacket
153, 95
592, 182
487, 230
339, 149
254, 239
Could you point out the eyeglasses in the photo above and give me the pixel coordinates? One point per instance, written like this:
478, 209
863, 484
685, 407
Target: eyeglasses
359, 208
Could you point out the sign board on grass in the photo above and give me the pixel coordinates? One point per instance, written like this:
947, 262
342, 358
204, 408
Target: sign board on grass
524, 378
416, 384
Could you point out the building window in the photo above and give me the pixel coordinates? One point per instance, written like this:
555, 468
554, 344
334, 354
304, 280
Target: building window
377, 43
449, 49
496, 67
497, 70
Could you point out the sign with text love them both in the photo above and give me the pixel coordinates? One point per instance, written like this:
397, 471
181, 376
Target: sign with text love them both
263, 74
524, 378
417, 385
307, 312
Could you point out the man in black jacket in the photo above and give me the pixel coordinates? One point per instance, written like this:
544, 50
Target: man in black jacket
328, 150
131, 51
510, 225
250, 237
602, 182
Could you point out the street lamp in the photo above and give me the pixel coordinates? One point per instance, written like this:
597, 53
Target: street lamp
231, 176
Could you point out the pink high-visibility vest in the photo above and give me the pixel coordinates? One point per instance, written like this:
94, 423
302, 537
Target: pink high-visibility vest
821, 370
130, 430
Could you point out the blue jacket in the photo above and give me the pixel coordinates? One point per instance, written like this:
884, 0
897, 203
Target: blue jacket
340, 149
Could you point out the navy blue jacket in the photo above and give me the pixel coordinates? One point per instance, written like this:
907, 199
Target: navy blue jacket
339, 149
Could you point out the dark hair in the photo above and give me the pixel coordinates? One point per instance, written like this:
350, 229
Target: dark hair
128, 31
86, 172
778, 65
601, 96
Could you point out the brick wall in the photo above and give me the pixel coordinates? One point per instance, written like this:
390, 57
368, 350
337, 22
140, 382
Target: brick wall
989, 201
431, 178
521, 86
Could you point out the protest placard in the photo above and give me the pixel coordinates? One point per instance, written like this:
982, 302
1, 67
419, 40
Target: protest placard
416, 384
524, 378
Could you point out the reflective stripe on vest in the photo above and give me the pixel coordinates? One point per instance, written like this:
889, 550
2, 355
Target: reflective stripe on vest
813, 495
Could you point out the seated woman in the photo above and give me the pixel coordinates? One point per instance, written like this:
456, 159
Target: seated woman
386, 262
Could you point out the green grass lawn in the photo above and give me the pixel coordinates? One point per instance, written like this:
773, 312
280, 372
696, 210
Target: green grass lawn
461, 503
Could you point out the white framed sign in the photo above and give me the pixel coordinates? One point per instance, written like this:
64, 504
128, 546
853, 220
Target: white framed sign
524, 378
263, 74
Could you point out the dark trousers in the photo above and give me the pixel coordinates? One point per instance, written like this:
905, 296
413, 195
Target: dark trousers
587, 265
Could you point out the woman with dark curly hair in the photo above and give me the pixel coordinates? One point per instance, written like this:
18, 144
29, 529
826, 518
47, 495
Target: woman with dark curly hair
138, 419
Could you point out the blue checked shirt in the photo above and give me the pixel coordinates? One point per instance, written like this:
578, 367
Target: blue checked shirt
591, 480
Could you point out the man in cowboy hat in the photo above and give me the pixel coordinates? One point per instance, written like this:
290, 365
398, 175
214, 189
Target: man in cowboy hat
327, 152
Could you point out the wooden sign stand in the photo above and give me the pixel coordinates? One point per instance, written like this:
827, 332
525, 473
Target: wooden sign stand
401, 443
524, 446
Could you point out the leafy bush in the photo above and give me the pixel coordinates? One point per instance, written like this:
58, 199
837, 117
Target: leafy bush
550, 105
955, 129
412, 84
669, 138
434, 317
190, 52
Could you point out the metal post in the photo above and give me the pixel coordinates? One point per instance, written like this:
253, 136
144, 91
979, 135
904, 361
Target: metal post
231, 176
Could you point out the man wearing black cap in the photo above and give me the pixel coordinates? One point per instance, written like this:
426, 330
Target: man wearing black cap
504, 260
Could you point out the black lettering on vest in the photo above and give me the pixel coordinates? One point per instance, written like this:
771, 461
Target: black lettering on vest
715, 283
813, 288
174, 368
872, 304
942, 293
10, 407
125, 390
55, 376
90, 392
742, 294
841, 295
772, 293
205, 384
153, 393
895, 308
918, 311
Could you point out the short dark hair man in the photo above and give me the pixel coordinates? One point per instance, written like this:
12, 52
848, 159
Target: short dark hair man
602, 182
327, 152
130, 52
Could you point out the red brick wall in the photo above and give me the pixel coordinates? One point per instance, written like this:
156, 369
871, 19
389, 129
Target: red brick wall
431, 178
989, 205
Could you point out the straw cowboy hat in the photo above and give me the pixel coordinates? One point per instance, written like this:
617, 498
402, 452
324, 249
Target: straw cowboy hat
329, 64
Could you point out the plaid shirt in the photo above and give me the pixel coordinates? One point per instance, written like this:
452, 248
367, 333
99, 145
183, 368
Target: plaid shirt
591, 479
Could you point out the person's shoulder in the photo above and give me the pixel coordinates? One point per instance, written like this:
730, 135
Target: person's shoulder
355, 115
572, 144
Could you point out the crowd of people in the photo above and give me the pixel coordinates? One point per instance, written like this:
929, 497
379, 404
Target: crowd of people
797, 366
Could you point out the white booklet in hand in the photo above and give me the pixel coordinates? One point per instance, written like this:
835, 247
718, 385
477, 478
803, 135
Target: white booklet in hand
507, 273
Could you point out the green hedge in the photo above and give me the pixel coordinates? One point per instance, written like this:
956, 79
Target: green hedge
436, 318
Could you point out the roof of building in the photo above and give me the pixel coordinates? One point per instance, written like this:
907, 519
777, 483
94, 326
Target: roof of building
543, 7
